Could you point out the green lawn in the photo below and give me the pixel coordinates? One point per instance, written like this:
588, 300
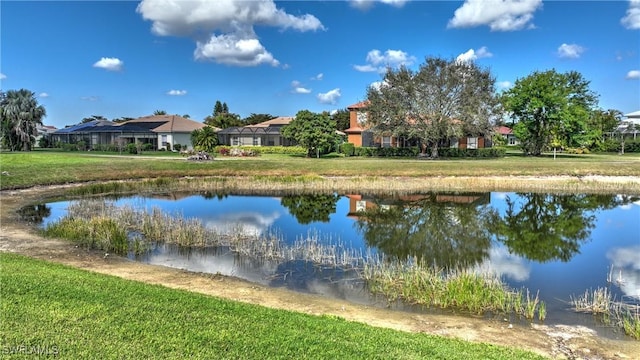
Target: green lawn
80, 314
45, 167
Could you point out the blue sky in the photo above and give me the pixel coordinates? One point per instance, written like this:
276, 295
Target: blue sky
128, 59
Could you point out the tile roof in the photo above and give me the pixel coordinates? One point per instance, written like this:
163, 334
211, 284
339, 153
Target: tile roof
503, 130
166, 123
281, 120
360, 105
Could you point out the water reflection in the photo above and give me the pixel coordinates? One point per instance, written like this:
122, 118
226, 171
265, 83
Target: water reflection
546, 227
34, 213
311, 208
445, 230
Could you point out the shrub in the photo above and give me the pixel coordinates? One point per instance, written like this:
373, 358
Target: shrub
132, 148
177, 147
147, 147
348, 149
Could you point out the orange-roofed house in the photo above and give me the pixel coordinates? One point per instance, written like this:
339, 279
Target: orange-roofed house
360, 133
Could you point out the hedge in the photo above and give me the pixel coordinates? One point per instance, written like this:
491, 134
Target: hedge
442, 152
257, 150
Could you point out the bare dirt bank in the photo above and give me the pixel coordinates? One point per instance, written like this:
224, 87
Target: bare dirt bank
562, 342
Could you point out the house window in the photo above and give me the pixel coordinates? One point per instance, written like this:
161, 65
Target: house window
361, 205
386, 141
235, 141
472, 143
256, 141
164, 140
453, 143
512, 140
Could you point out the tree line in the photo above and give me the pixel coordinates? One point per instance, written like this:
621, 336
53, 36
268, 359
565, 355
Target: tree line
441, 100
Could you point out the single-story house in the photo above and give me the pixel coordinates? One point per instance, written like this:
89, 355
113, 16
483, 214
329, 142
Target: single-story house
267, 133
43, 131
508, 134
360, 133
359, 203
163, 131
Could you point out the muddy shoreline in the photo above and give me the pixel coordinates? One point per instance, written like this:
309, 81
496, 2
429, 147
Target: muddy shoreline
563, 342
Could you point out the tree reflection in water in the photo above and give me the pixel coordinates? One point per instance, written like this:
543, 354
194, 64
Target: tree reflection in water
456, 230
310, 208
444, 230
549, 227
34, 213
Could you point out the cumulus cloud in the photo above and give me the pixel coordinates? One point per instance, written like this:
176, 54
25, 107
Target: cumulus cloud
571, 51
366, 4
177, 92
43, 95
472, 55
632, 19
376, 85
2, 76
297, 88
223, 30
499, 15
633, 74
110, 64
330, 97
378, 61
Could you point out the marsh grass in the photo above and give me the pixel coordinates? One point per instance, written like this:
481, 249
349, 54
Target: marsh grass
478, 293
601, 302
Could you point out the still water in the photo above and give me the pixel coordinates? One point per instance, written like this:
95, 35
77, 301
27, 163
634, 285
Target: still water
557, 245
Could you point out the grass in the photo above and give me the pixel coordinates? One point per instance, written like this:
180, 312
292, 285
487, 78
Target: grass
22, 170
73, 313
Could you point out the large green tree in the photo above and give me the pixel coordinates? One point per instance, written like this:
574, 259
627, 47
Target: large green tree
443, 99
315, 132
341, 117
222, 118
550, 109
20, 115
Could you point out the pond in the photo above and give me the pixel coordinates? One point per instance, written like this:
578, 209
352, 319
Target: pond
558, 246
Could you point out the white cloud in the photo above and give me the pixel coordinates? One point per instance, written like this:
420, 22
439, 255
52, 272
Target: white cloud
377, 61
90, 98
330, 97
571, 51
177, 92
223, 29
472, 55
504, 84
233, 50
499, 15
633, 74
318, 77
43, 95
376, 85
632, 19
297, 88
2, 76
111, 64
366, 4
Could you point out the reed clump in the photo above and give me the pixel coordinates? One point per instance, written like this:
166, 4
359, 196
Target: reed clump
601, 302
479, 293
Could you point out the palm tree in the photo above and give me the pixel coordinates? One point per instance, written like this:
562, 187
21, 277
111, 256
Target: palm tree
20, 115
204, 139
159, 112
